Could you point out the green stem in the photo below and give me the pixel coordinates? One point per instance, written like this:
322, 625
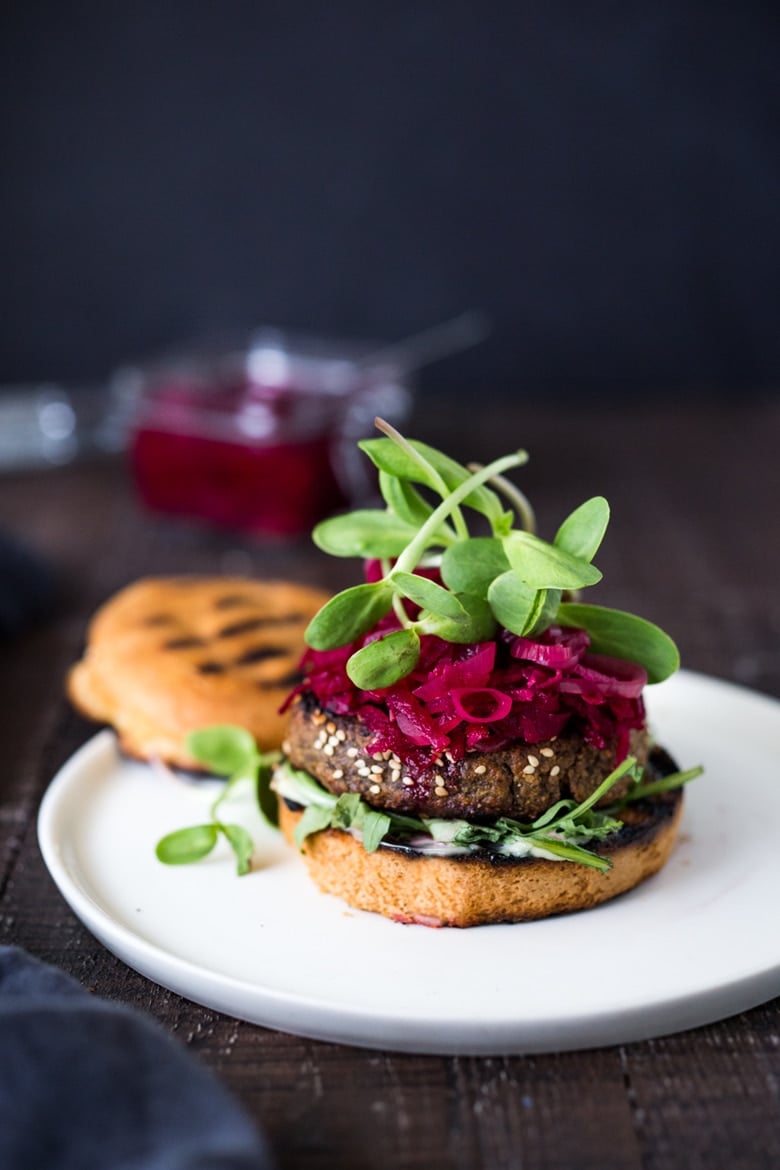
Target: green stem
229, 783
400, 612
518, 499
611, 780
664, 784
438, 483
410, 557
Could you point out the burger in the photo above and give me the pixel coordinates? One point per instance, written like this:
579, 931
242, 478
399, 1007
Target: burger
469, 744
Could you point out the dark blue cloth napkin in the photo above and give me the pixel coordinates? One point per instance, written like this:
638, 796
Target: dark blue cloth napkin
86, 1083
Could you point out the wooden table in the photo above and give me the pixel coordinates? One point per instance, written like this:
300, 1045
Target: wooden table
695, 489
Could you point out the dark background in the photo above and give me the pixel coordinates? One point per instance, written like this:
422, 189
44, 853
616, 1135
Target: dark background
603, 180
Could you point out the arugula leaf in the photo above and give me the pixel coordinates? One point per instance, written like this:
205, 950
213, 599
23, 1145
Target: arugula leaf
374, 826
448, 832
558, 832
628, 765
349, 813
568, 851
345, 810
301, 788
315, 818
664, 784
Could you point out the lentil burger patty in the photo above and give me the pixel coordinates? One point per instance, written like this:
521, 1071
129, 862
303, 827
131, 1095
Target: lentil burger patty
520, 781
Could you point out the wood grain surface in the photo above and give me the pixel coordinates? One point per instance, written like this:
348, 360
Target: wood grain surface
694, 545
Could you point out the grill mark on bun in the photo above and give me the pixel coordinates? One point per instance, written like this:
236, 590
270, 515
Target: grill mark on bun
210, 667
154, 668
231, 601
286, 681
259, 623
260, 654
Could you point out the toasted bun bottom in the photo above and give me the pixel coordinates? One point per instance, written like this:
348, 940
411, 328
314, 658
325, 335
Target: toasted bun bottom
474, 891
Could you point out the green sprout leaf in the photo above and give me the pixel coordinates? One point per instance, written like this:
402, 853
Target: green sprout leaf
394, 460
513, 602
226, 750
223, 748
450, 505
543, 566
623, 635
544, 611
241, 844
476, 622
404, 500
349, 615
582, 532
382, 662
511, 577
428, 595
187, 845
471, 566
365, 533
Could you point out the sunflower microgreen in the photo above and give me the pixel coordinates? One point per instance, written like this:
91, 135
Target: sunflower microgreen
229, 751
510, 578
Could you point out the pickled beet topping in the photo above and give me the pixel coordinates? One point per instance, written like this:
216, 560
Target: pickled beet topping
486, 696
481, 704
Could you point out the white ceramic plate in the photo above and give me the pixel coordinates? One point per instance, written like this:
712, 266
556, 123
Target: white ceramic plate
697, 943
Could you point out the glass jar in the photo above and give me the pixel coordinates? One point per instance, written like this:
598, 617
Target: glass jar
261, 438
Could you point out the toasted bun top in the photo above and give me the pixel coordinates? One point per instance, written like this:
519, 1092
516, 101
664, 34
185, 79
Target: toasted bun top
168, 655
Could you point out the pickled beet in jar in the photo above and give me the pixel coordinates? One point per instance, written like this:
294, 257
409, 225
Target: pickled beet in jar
261, 439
